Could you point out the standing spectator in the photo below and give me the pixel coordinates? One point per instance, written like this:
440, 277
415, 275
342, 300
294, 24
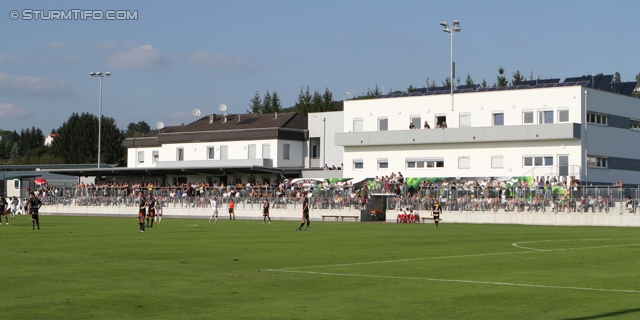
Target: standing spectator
426, 125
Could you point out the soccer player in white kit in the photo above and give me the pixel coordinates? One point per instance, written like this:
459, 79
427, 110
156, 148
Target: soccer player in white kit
214, 208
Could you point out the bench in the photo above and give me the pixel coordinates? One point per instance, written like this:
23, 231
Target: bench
352, 217
426, 218
330, 216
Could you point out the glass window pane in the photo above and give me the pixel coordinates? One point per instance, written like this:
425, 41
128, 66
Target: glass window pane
537, 161
383, 124
548, 161
383, 165
528, 117
528, 161
498, 119
439, 164
359, 165
548, 117
420, 164
411, 164
563, 116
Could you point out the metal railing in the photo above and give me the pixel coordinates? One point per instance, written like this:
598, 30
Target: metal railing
594, 199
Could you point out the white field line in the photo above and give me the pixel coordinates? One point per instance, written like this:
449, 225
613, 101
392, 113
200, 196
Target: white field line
456, 281
531, 250
517, 244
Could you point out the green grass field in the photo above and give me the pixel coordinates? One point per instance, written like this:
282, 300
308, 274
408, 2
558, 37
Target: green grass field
102, 268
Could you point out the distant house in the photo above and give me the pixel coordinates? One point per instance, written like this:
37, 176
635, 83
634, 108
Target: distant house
49, 139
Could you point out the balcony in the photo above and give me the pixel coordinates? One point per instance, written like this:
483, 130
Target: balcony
556, 131
230, 163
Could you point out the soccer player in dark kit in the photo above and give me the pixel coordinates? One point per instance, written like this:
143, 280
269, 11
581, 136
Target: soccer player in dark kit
3, 210
151, 210
142, 210
305, 212
34, 206
436, 210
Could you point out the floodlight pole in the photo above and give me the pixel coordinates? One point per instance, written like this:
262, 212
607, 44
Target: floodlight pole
100, 75
455, 27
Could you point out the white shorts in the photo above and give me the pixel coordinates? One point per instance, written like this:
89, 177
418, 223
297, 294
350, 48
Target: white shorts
214, 212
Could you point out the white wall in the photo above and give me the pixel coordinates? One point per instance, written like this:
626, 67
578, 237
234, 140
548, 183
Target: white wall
330, 154
481, 105
236, 150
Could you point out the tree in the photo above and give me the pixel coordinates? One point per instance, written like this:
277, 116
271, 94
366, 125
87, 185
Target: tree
484, 83
266, 102
275, 104
410, 88
303, 105
256, 104
137, 129
370, 94
468, 81
446, 82
502, 80
517, 77
77, 140
617, 78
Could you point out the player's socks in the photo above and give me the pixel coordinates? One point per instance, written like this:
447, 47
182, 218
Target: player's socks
151, 224
159, 219
308, 223
216, 219
301, 225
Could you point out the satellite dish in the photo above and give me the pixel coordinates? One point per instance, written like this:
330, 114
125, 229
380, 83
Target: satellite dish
159, 125
196, 112
222, 107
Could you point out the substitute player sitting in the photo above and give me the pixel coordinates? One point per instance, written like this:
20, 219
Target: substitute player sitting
400, 217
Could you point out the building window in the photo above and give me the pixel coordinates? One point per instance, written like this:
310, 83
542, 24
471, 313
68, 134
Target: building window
224, 152
155, 156
497, 162
465, 120
425, 163
527, 117
545, 117
464, 163
180, 154
383, 124
358, 164
563, 115
285, 151
357, 125
597, 162
252, 151
415, 121
266, 151
537, 161
383, 164
634, 124
498, 119
140, 156
211, 153
597, 118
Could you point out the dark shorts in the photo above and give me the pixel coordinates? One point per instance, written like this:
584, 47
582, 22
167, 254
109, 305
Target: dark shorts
305, 215
34, 215
230, 210
436, 216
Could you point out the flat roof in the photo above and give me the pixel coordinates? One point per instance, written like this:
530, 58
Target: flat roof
79, 172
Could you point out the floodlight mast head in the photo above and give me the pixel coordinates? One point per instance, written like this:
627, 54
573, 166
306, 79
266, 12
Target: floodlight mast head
107, 74
444, 24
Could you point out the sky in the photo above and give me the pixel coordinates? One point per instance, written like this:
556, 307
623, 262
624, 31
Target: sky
175, 57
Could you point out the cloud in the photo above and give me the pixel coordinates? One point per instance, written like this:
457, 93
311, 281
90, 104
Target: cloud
216, 60
142, 57
32, 86
106, 45
11, 59
57, 45
9, 110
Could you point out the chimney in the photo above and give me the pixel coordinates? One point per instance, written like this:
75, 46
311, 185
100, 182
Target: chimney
225, 117
212, 118
276, 115
238, 118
